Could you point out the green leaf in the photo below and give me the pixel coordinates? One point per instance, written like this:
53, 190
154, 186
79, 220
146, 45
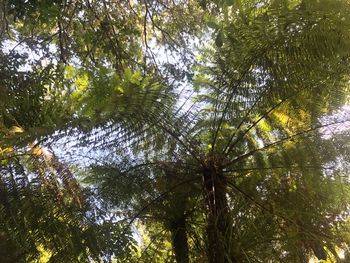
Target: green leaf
213, 25
219, 39
229, 2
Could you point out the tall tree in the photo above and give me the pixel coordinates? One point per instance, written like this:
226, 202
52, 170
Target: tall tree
251, 126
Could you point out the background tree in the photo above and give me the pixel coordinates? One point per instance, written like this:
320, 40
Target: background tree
245, 112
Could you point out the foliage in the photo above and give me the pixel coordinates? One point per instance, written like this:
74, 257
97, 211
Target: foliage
203, 122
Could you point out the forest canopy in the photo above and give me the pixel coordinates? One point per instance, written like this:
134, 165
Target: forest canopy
174, 131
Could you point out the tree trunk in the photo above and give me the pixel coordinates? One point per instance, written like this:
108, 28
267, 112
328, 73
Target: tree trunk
218, 226
176, 215
179, 241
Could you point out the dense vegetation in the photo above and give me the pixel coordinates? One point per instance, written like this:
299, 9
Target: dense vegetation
174, 131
